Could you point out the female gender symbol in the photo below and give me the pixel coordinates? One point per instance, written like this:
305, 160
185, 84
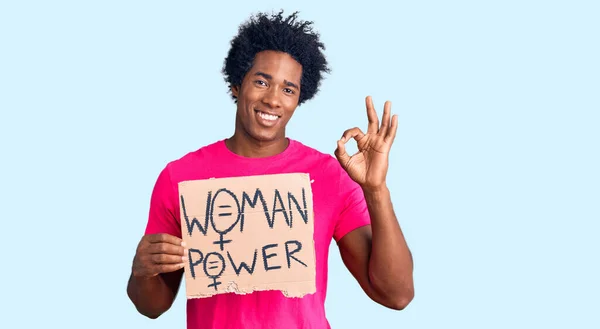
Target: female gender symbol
213, 271
227, 212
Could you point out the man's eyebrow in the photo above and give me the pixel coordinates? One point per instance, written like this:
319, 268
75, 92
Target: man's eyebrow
270, 77
264, 75
291, 84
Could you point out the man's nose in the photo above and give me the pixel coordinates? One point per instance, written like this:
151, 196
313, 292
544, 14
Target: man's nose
271, 98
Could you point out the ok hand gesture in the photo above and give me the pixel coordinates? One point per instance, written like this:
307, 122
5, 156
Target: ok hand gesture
368, 167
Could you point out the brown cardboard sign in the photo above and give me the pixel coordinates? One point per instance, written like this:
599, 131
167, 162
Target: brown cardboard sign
247, 234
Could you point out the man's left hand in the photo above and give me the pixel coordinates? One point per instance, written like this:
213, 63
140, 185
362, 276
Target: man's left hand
368, 167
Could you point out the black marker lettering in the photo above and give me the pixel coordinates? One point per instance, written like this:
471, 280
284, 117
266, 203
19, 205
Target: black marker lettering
212, 220
221, 241
195, 222
303, 211
252, 202
196, 263
288, 253
220, 259
265, 257
237, 270
214, 274
281, 209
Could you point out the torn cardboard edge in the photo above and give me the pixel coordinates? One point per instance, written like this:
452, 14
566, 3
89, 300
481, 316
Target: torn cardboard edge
232, 287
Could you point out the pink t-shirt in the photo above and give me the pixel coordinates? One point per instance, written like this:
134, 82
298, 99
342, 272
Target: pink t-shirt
339, 207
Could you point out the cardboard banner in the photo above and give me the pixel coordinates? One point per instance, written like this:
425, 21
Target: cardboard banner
247, 234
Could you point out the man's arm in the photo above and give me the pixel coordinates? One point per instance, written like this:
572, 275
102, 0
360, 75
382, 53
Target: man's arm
156, 274
377, 255
154, 296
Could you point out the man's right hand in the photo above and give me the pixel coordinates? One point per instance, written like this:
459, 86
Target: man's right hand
158, 253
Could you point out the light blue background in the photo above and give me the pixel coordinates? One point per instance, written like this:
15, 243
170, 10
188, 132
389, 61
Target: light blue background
494, 171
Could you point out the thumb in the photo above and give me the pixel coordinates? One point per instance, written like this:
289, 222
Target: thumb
341, 154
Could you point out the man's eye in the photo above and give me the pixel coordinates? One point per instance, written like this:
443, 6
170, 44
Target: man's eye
288, 91
260, 82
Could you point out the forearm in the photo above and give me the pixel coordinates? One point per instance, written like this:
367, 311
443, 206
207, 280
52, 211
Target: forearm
390, 261
151, 296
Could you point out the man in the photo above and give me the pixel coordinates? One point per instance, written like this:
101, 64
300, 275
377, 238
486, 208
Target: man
274, 65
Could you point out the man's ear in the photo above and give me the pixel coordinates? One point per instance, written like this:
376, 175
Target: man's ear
235, 91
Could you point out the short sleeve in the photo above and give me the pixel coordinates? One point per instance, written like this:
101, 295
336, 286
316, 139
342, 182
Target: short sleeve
353, 211
163, 215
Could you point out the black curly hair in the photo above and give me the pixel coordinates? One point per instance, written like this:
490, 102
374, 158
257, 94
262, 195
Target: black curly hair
289, 35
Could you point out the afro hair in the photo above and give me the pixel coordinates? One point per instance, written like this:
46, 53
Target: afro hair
274, 32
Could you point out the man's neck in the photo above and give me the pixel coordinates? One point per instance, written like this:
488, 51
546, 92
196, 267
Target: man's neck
251, 148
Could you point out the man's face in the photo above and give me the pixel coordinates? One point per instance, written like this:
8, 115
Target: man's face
268, 96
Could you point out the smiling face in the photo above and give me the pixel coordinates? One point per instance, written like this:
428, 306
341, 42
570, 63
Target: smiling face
268, 96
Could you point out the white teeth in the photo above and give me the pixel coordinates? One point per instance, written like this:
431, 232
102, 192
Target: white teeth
267, 116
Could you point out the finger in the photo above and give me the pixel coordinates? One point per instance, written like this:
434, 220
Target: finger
164, 237
341, 154
385, 120
166, 268
166, 248
391, 135
372, 116
355, 133
167, 259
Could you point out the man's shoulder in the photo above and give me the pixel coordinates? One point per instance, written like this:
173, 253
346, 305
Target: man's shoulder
195, 159
309, 150
327, 162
